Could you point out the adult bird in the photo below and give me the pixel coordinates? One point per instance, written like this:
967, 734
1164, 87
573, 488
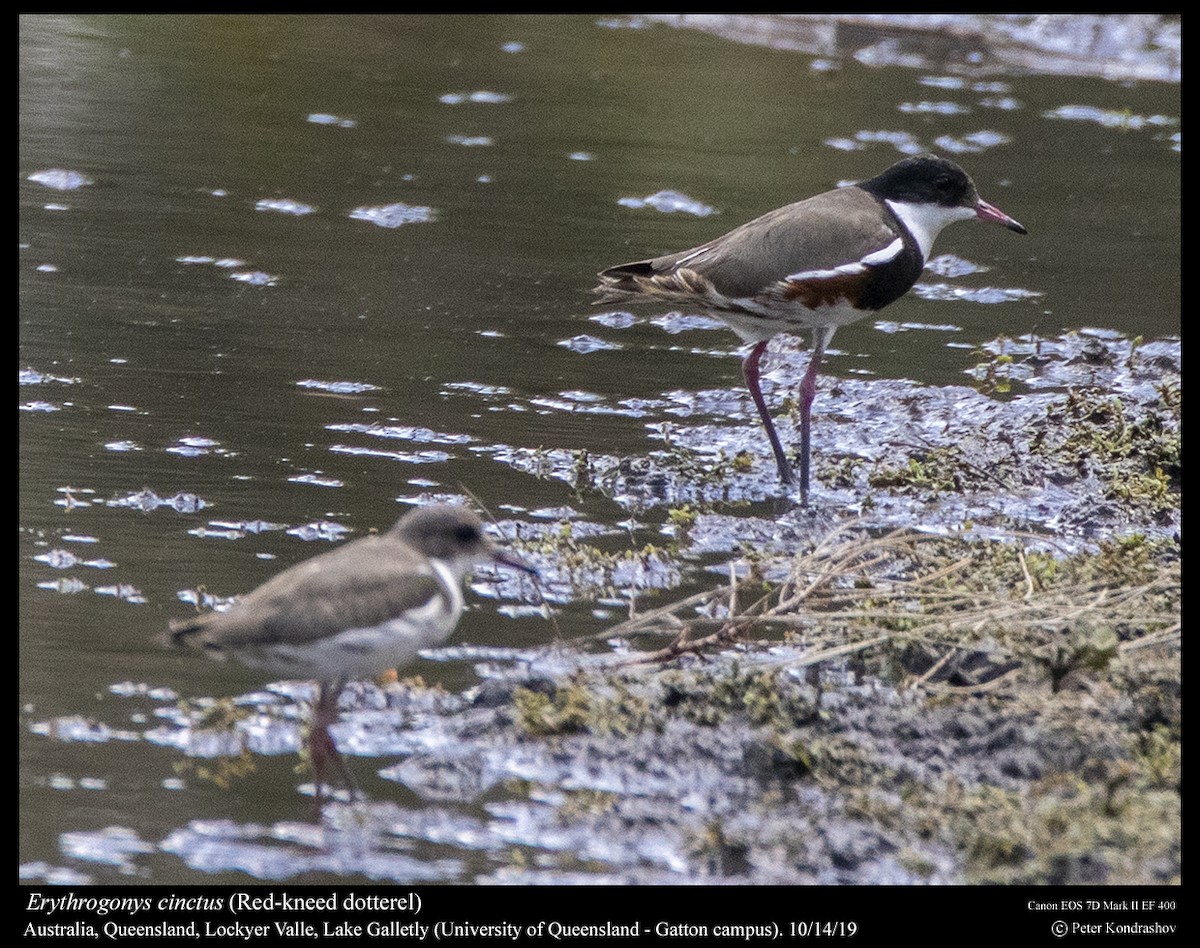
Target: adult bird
352, 612
816, 264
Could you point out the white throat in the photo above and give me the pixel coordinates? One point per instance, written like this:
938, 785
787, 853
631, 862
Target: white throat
452, 572
925, 221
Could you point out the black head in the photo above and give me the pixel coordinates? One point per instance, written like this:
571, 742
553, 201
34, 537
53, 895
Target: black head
925, 179
935, 182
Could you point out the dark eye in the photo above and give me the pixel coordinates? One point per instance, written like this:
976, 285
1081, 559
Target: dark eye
944, 183
466, 534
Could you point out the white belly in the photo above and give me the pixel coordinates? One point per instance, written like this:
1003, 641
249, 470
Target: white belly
369, 651
761, 323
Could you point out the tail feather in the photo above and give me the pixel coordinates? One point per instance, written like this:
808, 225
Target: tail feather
621, 282
636, 282
622, 277
180, 631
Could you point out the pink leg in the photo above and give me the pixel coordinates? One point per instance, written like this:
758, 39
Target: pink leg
750, 371
808, 391
321, 746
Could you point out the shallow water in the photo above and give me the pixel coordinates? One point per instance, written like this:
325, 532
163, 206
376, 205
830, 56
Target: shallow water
281, 276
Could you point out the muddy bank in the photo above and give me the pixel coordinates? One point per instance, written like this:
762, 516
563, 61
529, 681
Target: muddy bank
962, 664
900, 708
1090, 449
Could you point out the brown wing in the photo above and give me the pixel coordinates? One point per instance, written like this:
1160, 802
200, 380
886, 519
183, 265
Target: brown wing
362, 584
758, 254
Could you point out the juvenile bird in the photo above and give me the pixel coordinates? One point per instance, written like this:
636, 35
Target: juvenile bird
352, 612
